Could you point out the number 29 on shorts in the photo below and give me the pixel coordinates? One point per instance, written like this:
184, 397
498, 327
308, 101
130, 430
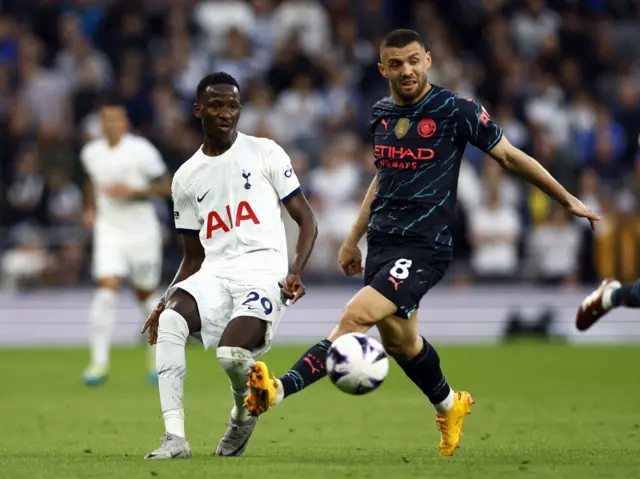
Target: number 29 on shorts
265, 303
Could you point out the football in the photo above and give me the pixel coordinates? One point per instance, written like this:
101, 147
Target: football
357, 364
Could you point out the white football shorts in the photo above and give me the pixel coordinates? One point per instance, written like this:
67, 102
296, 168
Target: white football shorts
220, 300
139, 261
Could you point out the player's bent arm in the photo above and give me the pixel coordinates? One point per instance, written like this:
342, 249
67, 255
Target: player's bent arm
301, 212
160, 187
516, 161
359, 228
192, 258
89, 196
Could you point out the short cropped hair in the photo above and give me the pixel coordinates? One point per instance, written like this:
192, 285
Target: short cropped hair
111, 98
217, 78
401, 38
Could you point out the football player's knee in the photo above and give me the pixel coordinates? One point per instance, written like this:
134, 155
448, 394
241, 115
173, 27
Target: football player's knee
172, 328
236, 362
401, 349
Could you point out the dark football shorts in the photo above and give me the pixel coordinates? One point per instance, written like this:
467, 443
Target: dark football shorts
404, 274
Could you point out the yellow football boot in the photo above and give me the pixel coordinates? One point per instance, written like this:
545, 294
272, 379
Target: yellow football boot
450, 424
262, 389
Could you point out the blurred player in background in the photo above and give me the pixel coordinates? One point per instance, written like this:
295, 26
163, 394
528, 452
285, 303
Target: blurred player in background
419, 136
227, 206
611, 294
124, 172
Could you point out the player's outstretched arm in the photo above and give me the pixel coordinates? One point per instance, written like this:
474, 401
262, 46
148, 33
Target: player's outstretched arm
516, 161
301, 212
349, 256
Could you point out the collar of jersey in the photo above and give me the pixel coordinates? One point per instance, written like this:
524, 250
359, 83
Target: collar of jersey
223, 156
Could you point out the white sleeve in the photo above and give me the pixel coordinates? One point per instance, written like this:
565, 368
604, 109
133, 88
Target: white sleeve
185, 213
151, 162
281, 174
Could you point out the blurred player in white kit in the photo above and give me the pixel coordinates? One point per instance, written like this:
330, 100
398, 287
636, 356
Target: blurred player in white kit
234, 279
124, 172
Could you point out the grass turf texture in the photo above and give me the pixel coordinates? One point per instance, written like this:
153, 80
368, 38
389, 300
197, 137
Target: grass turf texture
543, 411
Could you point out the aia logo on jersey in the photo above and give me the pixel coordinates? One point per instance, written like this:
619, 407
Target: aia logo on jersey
426, 127
243, 212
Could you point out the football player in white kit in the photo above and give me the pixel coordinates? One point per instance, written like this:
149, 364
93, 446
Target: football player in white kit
124, 172
234, 280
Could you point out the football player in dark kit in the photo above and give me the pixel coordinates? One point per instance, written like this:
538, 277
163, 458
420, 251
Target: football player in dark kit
419, 135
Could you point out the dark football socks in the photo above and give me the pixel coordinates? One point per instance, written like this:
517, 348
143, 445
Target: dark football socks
424, 370
308, 369
627, 295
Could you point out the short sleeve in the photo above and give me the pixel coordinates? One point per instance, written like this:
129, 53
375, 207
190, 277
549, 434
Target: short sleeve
151, 161
185, 213
483, 132
281, 174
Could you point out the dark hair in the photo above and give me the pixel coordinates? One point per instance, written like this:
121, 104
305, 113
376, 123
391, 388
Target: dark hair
111, 98
401, 38
217, 78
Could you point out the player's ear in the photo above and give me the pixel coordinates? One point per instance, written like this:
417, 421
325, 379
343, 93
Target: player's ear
197, 109
382, 70
427, 59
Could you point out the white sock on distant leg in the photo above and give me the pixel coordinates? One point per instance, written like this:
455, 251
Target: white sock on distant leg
236, 362
172, 369
446, 405
607, 303
148, 306
102, 319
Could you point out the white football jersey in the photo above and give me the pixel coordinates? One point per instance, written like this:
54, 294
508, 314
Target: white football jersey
232, 202
134, 162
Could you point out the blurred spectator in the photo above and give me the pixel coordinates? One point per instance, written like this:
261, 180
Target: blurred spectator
82, 66
304, 108
305, 19
218, 17
238, 59
26, 261
259, 109
554, 248
25, 192
532, 26
495, 230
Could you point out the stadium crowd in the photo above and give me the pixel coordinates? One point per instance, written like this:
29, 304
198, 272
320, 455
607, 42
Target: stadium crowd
561, 77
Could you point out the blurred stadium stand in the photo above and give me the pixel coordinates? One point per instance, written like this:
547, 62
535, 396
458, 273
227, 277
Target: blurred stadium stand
562, 77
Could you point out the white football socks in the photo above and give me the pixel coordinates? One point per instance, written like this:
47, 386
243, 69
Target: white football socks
279, 392
606, 298
102, 319
236, 362
446, 405
171, 364
148, 306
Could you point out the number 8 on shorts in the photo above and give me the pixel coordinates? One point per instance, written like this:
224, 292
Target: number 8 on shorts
400, 269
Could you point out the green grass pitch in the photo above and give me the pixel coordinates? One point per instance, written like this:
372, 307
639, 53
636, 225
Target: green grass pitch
542, 411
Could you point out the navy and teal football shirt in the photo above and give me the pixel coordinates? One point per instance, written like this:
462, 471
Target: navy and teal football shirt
418, 149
